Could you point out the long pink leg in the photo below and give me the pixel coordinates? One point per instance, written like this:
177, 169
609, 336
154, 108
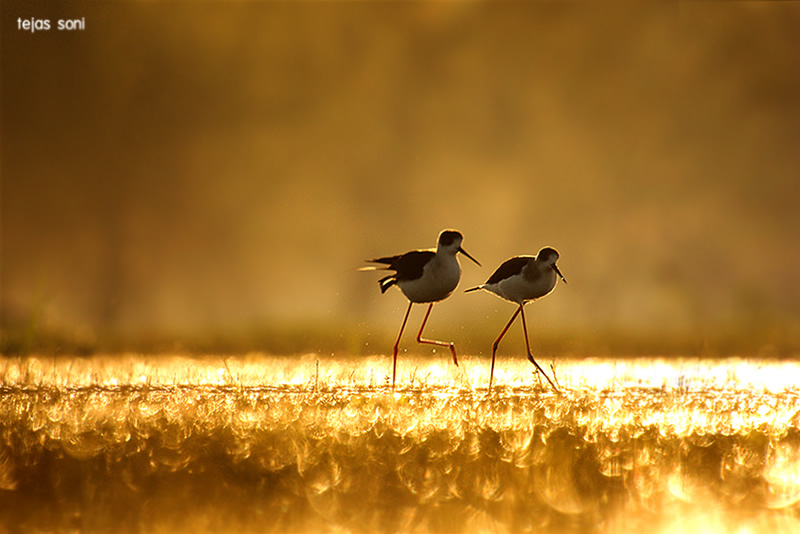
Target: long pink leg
451, 345
497, 343
528, 346
397, 343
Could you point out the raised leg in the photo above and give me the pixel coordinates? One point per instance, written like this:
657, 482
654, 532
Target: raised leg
528, 346
397, 343
497, 343
450, 344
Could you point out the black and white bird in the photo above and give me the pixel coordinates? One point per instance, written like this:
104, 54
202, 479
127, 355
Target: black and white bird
520, 280
424, 276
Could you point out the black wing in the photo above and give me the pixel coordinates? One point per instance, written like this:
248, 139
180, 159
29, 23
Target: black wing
509, 268
408, 266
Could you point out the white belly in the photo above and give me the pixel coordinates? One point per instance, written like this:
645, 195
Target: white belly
438, 281
518, 289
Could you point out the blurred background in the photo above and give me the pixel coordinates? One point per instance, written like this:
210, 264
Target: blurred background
209, 176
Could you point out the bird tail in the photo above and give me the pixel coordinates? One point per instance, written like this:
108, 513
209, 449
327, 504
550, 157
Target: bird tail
387, 282
476, 288
386, 264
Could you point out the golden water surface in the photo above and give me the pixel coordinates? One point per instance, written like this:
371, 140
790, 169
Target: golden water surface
313, 444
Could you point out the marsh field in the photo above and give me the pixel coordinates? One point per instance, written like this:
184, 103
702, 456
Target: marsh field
259, 443
189, 189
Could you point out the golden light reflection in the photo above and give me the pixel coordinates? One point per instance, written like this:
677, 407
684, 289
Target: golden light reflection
300, 444
782, 475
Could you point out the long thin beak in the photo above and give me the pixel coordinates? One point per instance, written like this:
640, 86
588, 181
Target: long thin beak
464, 252
555, 268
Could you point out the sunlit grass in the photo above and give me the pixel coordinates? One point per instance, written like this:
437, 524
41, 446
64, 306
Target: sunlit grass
324, 372
324, 444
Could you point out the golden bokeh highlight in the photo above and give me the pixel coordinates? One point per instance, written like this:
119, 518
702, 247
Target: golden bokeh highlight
238, 444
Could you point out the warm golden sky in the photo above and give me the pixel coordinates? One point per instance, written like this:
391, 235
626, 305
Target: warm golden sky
210, 166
